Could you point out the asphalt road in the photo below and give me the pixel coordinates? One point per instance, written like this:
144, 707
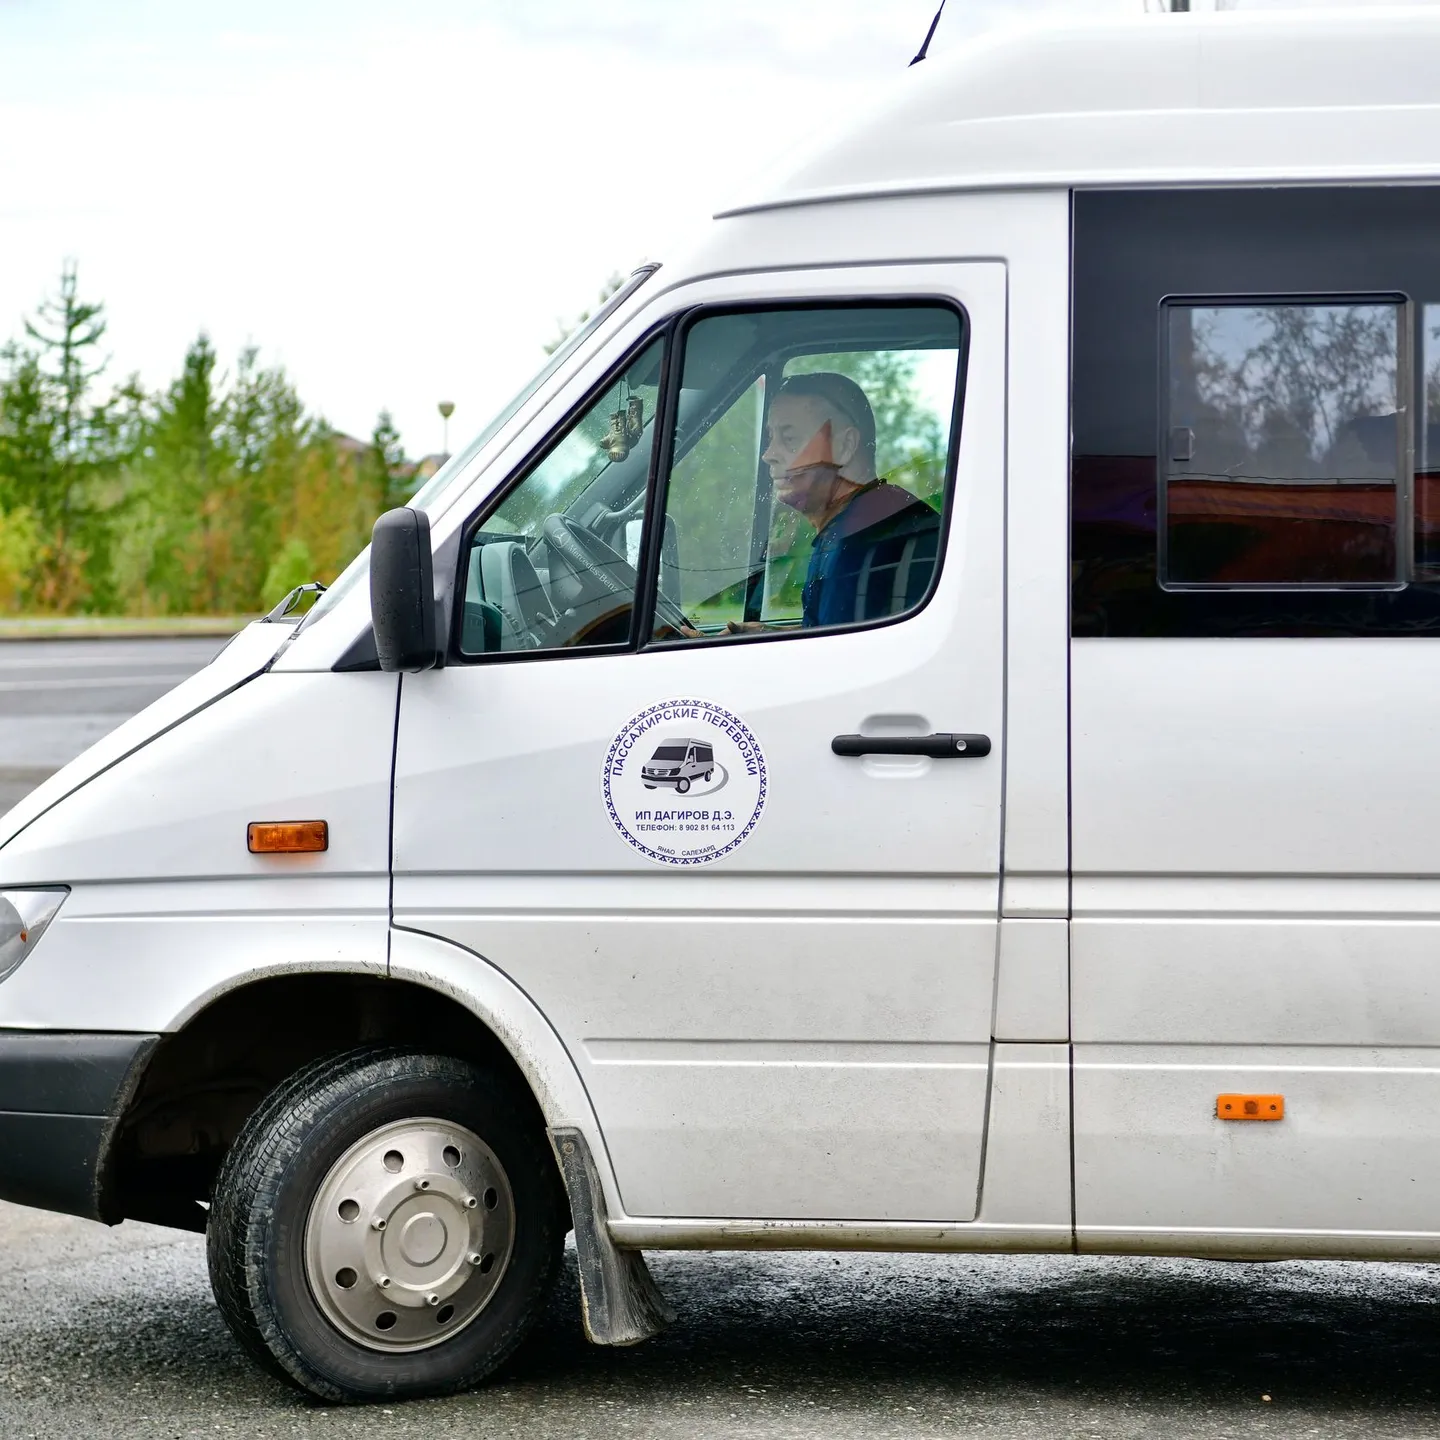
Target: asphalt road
110, 1333
57, 697
113, 1333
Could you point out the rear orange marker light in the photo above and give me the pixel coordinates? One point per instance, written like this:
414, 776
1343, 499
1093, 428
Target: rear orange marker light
1250, 1107
286, 837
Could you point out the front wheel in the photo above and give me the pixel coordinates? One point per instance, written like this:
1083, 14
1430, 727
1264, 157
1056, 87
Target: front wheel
682, 785
386, 1224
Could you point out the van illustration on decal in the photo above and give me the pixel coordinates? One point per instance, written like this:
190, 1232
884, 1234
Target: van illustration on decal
679, 761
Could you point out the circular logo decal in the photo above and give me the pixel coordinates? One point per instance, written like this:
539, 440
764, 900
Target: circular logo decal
685, 782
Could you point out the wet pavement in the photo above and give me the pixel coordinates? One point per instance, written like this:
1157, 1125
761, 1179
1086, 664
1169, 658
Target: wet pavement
113, 1333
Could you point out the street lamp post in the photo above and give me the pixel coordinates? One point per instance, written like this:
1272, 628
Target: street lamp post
447, 409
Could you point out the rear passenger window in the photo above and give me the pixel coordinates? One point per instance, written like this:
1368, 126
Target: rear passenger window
1283, 443
1255, 416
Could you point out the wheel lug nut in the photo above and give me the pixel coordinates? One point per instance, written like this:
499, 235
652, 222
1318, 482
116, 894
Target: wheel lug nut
422, 1184
475, 1257
432, 1299
383, 1282
378, 1223
471, 1202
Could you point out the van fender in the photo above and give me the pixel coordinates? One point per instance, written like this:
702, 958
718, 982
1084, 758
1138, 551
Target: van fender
620, 1304
520, 1026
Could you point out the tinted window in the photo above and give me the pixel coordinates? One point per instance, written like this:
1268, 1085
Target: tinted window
1281, 444
1287, 521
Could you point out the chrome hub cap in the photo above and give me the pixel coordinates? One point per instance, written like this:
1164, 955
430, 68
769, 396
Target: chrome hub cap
409, 1235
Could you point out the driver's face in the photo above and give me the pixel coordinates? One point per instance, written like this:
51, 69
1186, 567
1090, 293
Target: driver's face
805, 450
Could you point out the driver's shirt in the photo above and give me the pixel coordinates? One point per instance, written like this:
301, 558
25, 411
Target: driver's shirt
874, 559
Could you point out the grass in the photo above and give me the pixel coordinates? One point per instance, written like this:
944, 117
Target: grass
103, 627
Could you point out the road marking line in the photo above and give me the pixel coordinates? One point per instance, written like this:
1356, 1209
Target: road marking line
76, 662
118, 683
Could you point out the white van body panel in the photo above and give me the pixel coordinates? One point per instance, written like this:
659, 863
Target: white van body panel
1141, 100
1024, 1202
168, 908
148, 957
1257, 907
1358, 1154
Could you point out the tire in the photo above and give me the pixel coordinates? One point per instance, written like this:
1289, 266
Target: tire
325, 1131
682, 786
708, 774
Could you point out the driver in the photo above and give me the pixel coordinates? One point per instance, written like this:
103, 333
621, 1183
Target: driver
875, 543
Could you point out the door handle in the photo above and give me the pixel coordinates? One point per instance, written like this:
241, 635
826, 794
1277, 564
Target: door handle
943, 745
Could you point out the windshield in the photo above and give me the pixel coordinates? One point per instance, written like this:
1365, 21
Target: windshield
670, 752
431, 489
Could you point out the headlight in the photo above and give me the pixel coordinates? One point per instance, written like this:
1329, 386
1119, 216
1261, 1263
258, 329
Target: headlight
24, 914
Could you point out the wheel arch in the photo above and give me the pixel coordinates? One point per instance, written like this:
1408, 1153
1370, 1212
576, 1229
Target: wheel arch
208, 1075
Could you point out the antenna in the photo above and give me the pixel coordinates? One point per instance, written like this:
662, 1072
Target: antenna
930, 35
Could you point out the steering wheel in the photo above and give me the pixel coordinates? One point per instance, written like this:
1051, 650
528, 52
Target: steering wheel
602, 572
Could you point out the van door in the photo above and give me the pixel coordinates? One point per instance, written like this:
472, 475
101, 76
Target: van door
1254, 672
774, 971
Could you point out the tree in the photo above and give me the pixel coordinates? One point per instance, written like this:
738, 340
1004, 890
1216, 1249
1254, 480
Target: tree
202, 497
50, 439
1279, 388
385, 462
68, 329
28, 475
909, 435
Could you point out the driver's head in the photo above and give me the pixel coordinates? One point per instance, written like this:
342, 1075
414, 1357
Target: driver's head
821, 430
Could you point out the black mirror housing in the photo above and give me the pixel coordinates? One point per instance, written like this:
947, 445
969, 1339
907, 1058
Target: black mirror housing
402, 591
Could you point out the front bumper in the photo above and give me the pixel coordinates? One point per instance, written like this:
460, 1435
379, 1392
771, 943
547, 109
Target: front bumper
61, 1098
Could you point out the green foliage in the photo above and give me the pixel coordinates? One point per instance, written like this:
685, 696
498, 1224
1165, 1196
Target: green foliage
385, 462
712, 487
19, 552
69, 330
203, 497
292, 566
28, 468
910, 438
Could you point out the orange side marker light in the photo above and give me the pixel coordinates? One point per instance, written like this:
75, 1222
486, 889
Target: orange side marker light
286, 837
1250, 1107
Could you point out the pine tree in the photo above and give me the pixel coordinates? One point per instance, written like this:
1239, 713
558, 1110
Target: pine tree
385, 462
67, 330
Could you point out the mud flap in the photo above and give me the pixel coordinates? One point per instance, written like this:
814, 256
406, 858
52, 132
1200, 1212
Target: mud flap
619, 1301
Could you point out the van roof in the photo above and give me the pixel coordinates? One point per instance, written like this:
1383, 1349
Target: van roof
1233, 97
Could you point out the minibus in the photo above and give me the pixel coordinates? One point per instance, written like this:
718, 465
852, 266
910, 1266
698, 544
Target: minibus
1029, 502
679, 762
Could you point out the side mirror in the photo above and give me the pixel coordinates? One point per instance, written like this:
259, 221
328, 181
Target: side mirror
402, 590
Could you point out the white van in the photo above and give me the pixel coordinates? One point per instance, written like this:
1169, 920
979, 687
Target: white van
679, 761
1031, 503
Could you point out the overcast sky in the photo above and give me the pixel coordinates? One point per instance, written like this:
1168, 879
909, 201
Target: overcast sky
397, 198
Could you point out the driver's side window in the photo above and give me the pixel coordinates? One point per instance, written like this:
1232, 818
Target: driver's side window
553, 566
